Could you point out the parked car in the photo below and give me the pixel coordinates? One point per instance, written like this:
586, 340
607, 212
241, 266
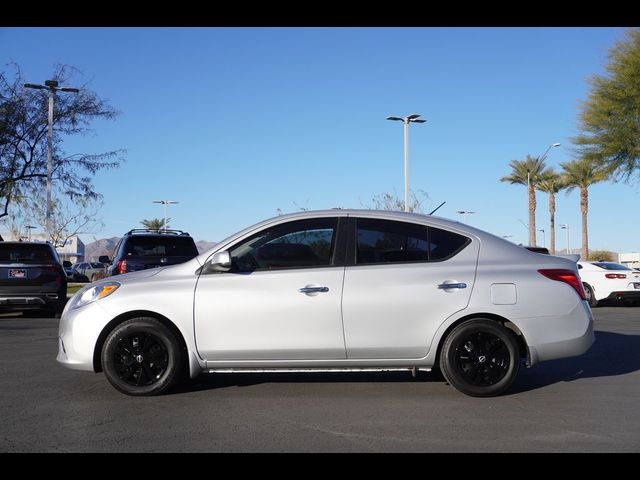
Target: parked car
31, 278
609, 281
73, 275
334, 290
141, 249
92, 270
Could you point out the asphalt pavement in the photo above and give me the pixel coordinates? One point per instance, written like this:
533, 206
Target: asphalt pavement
583, 404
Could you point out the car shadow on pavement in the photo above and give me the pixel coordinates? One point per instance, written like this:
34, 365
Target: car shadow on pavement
612, 354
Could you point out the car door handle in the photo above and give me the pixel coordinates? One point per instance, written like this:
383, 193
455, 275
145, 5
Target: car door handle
310, 289
452, 285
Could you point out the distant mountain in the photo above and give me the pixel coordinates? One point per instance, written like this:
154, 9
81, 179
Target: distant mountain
105, 246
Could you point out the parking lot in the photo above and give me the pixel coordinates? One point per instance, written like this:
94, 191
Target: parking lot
588, 403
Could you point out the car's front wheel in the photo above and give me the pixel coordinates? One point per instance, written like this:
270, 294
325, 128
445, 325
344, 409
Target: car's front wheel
480, 358
142, 357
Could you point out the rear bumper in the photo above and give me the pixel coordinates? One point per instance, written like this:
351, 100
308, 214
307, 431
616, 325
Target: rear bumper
625, 295
550, 338
32, 301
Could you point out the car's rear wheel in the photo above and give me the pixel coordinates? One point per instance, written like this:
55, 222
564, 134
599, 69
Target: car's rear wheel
142, 357
480, 358
591, 297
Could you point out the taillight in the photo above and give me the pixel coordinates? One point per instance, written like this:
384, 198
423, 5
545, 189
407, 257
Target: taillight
567, 276
615, 275
55, 269
121, 267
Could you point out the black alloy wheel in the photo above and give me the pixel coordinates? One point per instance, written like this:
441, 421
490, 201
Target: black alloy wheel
480, 358
141, 357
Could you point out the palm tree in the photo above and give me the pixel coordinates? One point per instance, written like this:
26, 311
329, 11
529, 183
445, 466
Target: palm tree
154, 224
551, 182
582, 173
527, 172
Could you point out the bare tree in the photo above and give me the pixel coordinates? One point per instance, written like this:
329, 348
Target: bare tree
23, 139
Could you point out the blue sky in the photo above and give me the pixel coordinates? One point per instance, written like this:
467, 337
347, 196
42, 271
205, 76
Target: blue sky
236, 123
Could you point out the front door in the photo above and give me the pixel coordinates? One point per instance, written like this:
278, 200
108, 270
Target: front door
280, 300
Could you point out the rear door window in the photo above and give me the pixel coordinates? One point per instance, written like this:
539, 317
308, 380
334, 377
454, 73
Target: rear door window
389, 241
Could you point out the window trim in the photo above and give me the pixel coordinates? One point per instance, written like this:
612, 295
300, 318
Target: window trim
352, 244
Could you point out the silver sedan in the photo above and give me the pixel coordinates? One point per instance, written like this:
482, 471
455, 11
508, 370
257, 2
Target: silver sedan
352, 290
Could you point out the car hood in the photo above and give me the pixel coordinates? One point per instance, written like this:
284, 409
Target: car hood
133, 276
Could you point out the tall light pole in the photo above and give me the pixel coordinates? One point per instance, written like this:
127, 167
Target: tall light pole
532, 219
543, 238
29, 228
52, 86
565, 226
465, 212
165, 203
413, 118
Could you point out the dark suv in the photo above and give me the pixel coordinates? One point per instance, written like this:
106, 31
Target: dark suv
140, 249
31, 278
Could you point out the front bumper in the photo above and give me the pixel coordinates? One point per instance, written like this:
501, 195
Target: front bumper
78, 335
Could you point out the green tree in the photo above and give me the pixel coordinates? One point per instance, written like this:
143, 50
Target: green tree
155, 223
550, 182
609, 120
23, 138
581, 174
527, 172
602, 256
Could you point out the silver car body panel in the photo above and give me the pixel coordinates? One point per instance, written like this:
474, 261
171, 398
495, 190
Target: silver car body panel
377, 316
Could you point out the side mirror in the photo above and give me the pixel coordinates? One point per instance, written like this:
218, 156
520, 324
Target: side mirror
221, 262
104, 259
66, 264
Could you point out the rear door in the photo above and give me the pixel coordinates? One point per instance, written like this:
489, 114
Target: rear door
395, 288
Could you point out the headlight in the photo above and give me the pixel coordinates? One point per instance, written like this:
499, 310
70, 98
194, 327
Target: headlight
91, 294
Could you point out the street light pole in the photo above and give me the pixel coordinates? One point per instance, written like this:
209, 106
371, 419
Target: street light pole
165, 203
565, 226
29, 228
543, 238
52, 86
464, 213
413, 118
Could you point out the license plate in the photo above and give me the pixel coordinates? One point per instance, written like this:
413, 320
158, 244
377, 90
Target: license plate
21, 273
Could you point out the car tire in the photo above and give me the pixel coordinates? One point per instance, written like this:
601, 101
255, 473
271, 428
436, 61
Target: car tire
591, 297
480, 358
142, 357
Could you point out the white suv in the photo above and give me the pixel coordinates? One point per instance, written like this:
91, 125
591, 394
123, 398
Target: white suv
609, 281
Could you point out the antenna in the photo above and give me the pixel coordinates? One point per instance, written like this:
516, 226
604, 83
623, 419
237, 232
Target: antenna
433, 211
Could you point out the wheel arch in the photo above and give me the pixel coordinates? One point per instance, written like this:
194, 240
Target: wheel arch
522, 343
97, 352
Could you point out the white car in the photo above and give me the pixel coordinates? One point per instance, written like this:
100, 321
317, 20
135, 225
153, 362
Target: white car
609, 281
334, 290
92, 270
